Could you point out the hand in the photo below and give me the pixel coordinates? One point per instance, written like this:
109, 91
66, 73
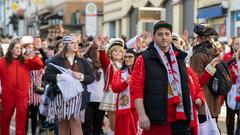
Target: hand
78, 76
144, 122
198, 102
128, 79
215, 61
138, 43
61, 28
185, 36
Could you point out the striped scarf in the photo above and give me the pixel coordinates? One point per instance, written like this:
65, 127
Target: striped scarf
174, 81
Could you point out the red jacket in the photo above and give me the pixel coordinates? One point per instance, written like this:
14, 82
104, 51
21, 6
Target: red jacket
107, 68
227, 56
196, 91
138, 77
118, 86
16, 76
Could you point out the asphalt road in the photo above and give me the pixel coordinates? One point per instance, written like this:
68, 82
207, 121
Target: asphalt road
221, 124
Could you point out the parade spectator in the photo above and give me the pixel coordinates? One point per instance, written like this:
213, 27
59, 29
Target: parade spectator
237, 98
69, 113
36, 87
231, 59
200, 62
15, 70
111, 60
126, 113
58, 46
94, 116
160, 86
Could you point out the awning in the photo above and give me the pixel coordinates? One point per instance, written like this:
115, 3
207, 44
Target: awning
210, 12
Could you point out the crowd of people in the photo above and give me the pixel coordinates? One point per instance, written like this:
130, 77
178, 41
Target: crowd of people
154, 83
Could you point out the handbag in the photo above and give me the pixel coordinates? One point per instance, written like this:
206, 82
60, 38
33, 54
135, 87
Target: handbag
209, 127
69, 86
231, 102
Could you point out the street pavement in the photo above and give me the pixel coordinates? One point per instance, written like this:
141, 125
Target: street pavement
221, 124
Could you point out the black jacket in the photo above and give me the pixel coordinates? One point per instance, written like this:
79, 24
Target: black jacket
156, 85
51, 74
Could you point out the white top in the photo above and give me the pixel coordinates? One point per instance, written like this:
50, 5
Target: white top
96, 88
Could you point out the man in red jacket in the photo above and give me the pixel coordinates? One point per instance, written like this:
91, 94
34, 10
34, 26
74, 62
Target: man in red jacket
160, 86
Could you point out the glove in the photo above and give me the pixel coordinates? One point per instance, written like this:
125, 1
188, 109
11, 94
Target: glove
215, 61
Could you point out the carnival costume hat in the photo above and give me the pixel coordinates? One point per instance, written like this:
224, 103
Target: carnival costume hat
67, 39
114, 42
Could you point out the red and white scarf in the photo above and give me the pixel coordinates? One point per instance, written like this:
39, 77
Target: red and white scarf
174, 81
124, 98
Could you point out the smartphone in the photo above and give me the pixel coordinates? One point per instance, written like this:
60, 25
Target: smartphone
26, 51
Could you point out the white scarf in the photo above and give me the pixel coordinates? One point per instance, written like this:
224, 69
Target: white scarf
124, 99
173, 77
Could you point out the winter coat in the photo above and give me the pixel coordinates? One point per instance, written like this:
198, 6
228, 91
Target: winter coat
199, 61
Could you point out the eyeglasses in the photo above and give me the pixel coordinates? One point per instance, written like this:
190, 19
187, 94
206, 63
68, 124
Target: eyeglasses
128, 57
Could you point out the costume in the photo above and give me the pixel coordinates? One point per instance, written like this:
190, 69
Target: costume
74, 106
109, 67
109, 98
15, 79
125, 111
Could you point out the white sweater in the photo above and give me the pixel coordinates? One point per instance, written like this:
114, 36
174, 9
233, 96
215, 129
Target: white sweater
96, 88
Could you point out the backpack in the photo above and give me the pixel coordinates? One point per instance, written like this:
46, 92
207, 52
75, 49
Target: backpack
220, 83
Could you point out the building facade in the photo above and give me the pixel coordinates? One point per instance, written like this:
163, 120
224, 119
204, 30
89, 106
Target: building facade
131, 17
214, 13
234, 19
70, 14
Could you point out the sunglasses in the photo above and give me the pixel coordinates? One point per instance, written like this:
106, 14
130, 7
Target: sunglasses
128, 57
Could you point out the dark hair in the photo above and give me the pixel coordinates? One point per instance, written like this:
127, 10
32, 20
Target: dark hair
134, 53
56, 45
9, 55
92, 53
63, 52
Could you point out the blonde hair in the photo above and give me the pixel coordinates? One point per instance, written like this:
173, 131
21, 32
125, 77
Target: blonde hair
115, 47
238, 54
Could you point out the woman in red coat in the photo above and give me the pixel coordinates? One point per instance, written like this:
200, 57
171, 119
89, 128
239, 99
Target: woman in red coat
15, 77
126, 113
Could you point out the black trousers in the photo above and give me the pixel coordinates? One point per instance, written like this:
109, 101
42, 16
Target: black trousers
230, 120
180, 127
93, 120
34, 114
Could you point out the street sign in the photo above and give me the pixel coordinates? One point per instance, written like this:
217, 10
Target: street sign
91, 19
